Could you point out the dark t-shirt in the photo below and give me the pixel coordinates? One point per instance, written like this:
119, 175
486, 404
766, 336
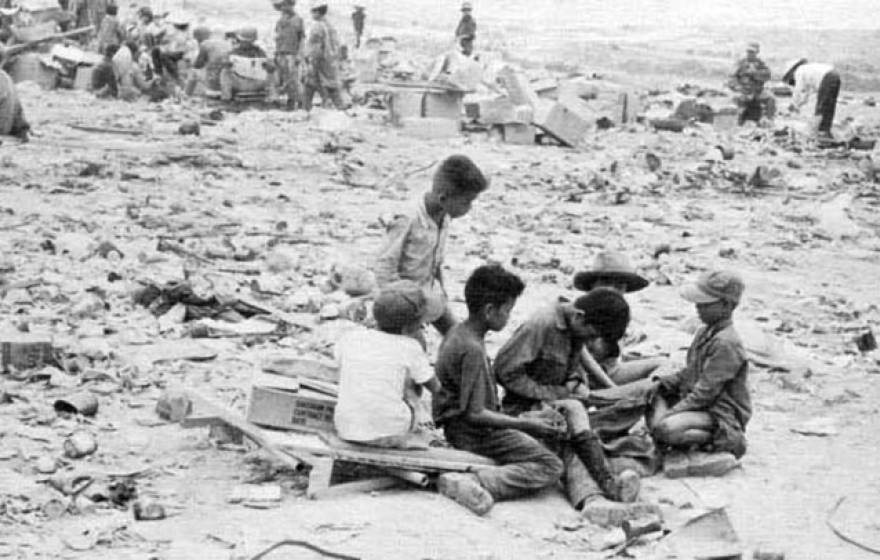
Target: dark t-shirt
465, 373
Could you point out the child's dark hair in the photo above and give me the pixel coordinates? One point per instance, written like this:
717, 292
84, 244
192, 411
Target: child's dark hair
491, 284
111, 50
461, 175
607, 311
112, 9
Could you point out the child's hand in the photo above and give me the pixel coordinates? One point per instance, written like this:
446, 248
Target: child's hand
544, 428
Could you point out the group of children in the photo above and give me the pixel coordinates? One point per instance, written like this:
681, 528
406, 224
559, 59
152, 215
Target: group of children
540, 432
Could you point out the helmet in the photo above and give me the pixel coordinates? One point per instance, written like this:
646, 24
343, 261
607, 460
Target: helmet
246, 34
201, 33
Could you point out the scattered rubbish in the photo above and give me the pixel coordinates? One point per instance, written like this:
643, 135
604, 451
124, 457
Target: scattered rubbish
820, 427
767, 555
256, 496
866, 342
855, 528
307, 546
173, 405
189, 129
146, 510
709, 536
80, 403
22, 351
79, 445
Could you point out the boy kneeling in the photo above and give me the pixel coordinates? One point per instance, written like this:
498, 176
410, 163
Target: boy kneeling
382, 373
707, 403
467, 404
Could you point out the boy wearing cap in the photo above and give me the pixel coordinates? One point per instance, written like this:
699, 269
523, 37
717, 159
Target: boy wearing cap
612, 270
381, 372
111, 31
416, 243
540, 369
707, 403
467, 408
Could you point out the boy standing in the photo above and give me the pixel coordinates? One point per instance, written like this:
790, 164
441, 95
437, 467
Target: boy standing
382, 372
416, 243
467, 405
111, 31
707, 402
358, 16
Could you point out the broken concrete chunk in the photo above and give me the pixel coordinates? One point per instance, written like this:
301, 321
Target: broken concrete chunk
563, 125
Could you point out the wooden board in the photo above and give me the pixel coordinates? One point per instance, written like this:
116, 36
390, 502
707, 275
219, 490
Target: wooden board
433, 460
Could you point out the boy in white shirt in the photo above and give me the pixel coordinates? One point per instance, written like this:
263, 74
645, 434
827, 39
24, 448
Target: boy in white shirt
814, 80
382, 373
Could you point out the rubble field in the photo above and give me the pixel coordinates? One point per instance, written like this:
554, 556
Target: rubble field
108, 202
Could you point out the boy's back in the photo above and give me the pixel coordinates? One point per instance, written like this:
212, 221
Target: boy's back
374, 369
463, 371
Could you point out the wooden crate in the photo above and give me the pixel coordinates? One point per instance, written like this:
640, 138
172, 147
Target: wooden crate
301, 410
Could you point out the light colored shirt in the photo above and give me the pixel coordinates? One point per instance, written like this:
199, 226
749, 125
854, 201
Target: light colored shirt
807, 79
414, 250
374, 367
539, 360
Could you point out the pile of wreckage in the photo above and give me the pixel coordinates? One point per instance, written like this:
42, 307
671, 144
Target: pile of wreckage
37, 48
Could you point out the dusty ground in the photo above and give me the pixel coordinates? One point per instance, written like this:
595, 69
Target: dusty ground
265, 181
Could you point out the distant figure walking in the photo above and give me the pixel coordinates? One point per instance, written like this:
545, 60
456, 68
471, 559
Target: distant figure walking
358, 16
466, 32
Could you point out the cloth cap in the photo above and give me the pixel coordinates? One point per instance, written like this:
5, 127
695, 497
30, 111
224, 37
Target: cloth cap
279, 3
715, 286
399, 304
145, 11
790, 67
318, 4
467, 6
753, 46
610, 265
201, 33
606, 311
246, 34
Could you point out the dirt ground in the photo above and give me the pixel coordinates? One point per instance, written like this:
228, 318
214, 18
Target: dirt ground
298, 196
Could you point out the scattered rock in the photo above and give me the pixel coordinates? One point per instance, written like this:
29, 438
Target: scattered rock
79, 445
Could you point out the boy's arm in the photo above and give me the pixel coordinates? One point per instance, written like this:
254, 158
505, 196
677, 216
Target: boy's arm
510, 366
388, 261
722, 364
474, 369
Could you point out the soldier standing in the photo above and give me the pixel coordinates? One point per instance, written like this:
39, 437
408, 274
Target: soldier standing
289, 36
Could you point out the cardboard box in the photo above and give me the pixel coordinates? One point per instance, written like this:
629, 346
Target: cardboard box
563, 124
404, 105
25, 351
301, 410
518, 133
431, 129
442, 105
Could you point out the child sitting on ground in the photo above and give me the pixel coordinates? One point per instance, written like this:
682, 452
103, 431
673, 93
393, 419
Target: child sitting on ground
416, 243
467, 406
707, 403
382, 373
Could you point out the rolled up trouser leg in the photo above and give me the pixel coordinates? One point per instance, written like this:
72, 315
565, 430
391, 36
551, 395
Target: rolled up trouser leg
579, 484
588, 448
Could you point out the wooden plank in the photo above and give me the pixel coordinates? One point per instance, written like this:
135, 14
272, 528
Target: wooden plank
203, 405
319, 477
330, 389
